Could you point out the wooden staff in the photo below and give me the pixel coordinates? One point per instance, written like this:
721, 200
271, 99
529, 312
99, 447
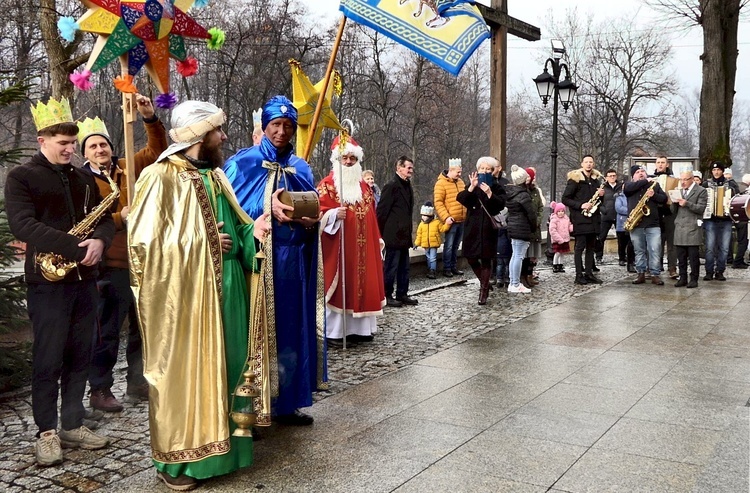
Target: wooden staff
324, 90
129, 116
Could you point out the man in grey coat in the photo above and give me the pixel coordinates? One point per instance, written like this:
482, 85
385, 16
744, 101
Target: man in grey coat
688, 234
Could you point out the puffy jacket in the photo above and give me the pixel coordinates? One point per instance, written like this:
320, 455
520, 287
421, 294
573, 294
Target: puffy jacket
560, 228
521, 213
579, 190
428, 234
117, 254
445, 193
621, 207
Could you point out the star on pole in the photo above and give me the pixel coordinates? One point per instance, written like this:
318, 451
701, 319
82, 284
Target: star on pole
305, 99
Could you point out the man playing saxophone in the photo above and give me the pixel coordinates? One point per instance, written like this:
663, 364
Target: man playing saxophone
645, 233
45, 199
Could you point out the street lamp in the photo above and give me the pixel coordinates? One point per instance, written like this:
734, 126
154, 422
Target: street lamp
549, 86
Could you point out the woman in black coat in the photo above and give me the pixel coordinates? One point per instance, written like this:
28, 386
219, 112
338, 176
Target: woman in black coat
482, 200
522, 222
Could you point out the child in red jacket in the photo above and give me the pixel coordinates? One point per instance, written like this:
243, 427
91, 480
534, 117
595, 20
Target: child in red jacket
560, 228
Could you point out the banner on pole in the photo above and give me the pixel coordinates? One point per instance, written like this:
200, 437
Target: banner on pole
445, 32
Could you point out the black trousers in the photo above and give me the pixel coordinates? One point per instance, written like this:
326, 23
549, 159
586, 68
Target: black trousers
606, 226
116, 303
741, 231
584, 242
396, 269
685, 255
667, 235
63, 317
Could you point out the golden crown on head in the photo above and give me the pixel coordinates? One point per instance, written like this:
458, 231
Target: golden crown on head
91, 126
52, 113
258, 119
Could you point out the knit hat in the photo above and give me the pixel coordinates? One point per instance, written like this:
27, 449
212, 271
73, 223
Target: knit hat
518, 175
728, 171
634, 169
718, 164
746, 179
700, 175
556, 207
531, 172
427, 209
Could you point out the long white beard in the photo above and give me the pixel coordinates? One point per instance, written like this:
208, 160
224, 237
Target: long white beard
352, 175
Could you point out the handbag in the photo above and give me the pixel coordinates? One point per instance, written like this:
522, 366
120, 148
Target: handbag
494, 221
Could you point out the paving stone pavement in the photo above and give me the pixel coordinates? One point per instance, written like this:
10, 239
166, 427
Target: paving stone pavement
465, 345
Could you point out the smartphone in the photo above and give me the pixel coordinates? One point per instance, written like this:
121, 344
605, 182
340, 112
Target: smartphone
485, 178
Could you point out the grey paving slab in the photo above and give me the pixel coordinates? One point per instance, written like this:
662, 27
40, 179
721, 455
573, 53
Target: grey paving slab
717, 391
677, 443
727, 470
565, 397
476, 354
697, 413
601, 470
443, 478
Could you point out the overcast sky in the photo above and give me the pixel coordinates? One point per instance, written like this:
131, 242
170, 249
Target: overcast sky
523, 55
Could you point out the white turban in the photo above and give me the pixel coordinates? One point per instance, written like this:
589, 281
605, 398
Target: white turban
191, 121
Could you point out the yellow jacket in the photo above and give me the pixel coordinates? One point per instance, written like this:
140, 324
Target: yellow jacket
445, 201
428, 234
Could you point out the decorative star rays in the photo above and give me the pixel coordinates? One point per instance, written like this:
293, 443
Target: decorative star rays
305, 99
145, 32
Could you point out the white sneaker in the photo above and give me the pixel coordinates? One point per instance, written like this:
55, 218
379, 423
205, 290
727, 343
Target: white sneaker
47, 449
82, 438
519, 289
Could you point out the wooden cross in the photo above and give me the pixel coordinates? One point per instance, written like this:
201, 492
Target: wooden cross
502, 24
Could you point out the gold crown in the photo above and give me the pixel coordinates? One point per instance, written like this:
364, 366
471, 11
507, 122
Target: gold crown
52, 113
91, 126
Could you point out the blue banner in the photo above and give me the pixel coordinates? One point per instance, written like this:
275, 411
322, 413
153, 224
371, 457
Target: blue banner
445, 32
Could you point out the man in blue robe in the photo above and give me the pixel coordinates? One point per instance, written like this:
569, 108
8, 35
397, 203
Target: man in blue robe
295, 310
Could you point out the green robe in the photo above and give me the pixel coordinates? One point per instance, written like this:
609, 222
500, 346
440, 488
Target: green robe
235, 318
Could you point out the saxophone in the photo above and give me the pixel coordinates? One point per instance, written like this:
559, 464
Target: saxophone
595, 201
53, 266
639, 211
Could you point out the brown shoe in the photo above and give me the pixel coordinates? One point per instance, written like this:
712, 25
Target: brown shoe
180, 483
657, 280
673, 274
103, 400
640, 279
138, 391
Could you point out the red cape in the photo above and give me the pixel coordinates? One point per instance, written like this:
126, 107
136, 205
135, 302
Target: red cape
365, 291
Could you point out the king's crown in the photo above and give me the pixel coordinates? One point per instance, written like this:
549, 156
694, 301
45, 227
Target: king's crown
52, 113
91, 126
454, 162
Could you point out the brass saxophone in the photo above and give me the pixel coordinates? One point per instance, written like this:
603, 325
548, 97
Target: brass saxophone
639, 211
53, 266
595, 202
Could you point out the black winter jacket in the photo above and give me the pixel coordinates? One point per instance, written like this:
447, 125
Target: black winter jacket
607, 206
480, 237
579, 190
394, 213
521, 213
43, 202
634, 190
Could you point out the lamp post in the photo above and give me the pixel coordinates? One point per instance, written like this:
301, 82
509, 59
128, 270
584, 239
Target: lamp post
550, 86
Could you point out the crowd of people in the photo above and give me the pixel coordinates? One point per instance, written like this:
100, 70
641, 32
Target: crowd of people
223, 279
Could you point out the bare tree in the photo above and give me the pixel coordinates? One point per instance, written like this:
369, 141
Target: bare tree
719, 20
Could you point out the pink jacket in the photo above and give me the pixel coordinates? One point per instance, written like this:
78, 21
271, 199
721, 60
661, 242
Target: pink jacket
560, 228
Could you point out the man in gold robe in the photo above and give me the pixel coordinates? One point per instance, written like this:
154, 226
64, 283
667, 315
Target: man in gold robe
190, 244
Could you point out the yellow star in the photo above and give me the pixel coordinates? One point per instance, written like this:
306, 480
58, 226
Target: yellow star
305, 98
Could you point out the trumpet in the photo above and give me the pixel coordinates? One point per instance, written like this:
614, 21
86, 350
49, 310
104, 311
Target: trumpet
639, 211
595, 202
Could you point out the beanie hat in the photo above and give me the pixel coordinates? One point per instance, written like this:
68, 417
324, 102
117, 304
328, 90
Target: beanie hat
556, 207
746, 179
699, 174
518, 175
717, 164
728, 171
531, 172
634, 169
427, 209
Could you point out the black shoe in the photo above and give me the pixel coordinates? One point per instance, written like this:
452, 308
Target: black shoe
622, 263
739, 266
595, 269
431, 274
359, 338
593, 279
599, 260
335, 342
708, 276
631, 268
719, 276
682, 282
692, 284
581, 280
297, 418
457, 272
405, 300
447, 273
392, 302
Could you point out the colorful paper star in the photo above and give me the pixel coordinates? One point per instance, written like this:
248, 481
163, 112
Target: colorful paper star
305, 98
145, 32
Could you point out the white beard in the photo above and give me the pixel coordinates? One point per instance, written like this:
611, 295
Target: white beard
352, 175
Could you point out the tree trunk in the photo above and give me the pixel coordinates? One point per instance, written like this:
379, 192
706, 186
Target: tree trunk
56, 53
720, 21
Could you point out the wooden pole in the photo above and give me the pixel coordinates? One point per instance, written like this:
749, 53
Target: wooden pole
129, 116
324, 90
498, 88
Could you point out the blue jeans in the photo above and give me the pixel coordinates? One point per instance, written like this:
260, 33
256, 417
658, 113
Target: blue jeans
450, 248
396, 269
718, 237
516, 260
431, 254
647, 242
